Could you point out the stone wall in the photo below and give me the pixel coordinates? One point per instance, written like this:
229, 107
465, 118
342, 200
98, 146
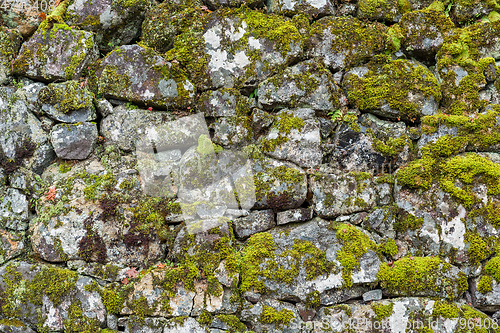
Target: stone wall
248, 166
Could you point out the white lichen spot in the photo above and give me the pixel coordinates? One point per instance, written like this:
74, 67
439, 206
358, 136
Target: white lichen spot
254, 43
453, 232
399, 319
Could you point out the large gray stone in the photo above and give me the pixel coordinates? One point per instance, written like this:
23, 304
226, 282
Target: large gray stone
340, 42
114, 22
22, 138
67, 102
141, 75
257, 221
74, 141
14, 213
342, 193
295, 137
10, 41
247, 60
27, 289
59, 53
305, 85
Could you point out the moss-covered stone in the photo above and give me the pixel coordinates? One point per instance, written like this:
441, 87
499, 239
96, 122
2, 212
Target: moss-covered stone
423, 276
344, 42
398, 89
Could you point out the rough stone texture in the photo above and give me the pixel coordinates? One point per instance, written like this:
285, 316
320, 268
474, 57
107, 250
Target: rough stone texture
299, 143
115, 23
223, 103
423, 32
58, 306
228, 67
278, 185
19, 129
58, 237
305, 85
59, 53
126, 127
10, 41
400, 316
311, 8
341, 194
232, 131
23, 17
318, 233
336, 40
389, 11
255, 312
67, 102
400, 97
258, 221
11, 245
294, 215
74, 141
14, 212
148, 79
254, 166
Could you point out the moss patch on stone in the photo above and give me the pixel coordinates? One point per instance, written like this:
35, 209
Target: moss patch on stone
391, 81
415, 275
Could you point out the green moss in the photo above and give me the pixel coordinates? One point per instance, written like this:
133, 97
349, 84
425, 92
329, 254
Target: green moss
205, 317
53, 282
412, 276
113, 300
408, 222
313, 299
469, 168
280, 318
478, 248
492, 268
12, 322
477, 131
392, 147
354, 244
64, 167
358, 40
445, 309
378, 9
141, 307
417, 174
485, 284
235, 325
66, 97
283, 124
77, 322
388, 248
382, 310
391, 81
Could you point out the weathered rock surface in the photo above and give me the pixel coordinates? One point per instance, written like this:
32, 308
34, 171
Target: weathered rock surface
294, 136
399, 89
59, 53
115, 23
255, 48
30, 288
67, 102
148, 79
310, 8
342, 193
336, 41
305, 85
10, 41
74, 141
22, 138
